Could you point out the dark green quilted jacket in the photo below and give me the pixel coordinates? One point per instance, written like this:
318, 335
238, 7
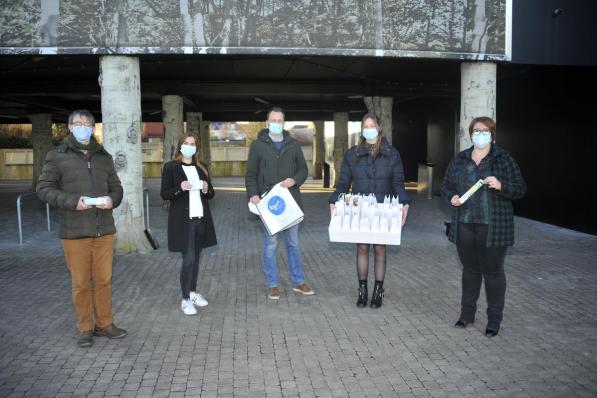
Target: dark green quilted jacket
66, 176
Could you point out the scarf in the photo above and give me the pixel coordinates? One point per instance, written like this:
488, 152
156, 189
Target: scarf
93, 146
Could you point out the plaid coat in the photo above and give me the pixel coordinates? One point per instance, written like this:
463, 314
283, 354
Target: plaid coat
501, 215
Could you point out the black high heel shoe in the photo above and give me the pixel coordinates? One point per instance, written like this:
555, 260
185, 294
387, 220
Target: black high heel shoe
363, 294
461, 323
377, 296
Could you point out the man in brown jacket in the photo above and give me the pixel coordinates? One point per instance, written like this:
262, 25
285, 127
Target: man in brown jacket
79, 179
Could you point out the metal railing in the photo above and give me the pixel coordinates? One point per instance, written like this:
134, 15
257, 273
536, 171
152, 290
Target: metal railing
19, 218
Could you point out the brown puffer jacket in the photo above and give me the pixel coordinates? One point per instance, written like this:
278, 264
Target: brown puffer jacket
66, 176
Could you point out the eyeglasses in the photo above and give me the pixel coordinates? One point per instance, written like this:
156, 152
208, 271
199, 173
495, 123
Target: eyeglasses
477, 132
79, 124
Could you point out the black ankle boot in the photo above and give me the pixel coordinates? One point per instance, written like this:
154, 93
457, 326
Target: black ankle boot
362, 300
377, 296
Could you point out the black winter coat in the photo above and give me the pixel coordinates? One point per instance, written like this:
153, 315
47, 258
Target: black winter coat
178, 214
265, 167
381, 176
502, 166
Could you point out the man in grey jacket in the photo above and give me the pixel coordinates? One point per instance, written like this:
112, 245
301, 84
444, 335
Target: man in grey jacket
275, 157
79, 179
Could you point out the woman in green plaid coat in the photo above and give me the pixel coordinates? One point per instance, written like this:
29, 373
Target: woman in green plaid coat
483, 224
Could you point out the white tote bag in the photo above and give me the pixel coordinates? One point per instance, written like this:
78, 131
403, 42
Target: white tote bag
278, 210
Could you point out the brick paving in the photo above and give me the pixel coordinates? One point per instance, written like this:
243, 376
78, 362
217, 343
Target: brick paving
245, 345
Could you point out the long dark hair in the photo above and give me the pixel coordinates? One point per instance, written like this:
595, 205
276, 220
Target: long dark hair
195, 158
375, 147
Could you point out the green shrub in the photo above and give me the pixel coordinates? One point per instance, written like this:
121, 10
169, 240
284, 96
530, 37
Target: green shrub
12, 141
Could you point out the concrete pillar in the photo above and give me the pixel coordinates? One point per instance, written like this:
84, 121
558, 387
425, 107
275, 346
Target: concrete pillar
121, 118
318, 150
477, 97
194, 124
382, 108
340, 142
41, 139
205, 143
172, 107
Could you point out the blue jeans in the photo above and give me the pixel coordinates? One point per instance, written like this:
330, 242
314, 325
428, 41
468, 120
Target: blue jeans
270, 261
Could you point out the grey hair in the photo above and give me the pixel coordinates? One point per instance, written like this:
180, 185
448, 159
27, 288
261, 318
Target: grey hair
276, 109
82, 113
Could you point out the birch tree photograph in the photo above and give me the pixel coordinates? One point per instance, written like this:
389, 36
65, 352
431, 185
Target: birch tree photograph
151, 26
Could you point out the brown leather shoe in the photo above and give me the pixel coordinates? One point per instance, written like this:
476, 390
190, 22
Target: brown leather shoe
111, 332
85, 339
273, 293
304, 289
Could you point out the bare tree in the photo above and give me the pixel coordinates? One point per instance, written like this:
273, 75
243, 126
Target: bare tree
480, 26
122, 38
48, 22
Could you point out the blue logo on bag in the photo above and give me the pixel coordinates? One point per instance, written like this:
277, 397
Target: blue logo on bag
276, 205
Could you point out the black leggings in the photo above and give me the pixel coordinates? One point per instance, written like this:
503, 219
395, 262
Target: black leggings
190, 259
481, 262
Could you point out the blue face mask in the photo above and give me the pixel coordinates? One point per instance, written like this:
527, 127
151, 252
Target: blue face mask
188, 150
370, 134
481, 139
276, 128
82, 133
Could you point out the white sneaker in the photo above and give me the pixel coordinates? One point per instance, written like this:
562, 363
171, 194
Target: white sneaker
187, 307
198, 299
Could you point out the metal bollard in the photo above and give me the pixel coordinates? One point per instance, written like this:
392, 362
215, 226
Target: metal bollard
19, 219
430, 180
146, 196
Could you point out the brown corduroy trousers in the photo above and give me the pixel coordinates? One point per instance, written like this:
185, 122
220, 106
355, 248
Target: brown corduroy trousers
89, 261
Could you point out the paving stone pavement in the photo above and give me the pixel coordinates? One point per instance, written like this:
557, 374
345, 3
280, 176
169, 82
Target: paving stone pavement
245, 345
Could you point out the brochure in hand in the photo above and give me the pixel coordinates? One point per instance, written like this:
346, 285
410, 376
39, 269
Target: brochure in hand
471, 191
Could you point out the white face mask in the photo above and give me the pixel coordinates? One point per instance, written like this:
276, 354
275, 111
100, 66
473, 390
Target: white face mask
276, 128
481, 139
370, 133
82, 133
188, 150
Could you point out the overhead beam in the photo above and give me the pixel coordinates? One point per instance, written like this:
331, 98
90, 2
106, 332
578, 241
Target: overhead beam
233, 88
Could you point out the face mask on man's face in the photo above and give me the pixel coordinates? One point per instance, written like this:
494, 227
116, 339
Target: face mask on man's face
276, 128
82, 133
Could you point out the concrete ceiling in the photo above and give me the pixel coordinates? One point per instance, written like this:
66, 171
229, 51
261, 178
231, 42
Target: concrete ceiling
225, 87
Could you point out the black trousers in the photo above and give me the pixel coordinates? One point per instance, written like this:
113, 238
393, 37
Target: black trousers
190, 259
480, 262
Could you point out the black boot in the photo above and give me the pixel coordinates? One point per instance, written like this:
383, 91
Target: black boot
363, 295
377, 296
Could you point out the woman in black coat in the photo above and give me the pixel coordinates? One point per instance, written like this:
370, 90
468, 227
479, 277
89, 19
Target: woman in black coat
483, 226
186, 184
372, 167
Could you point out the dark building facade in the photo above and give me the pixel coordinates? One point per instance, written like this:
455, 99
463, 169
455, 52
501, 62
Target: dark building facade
230, 60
